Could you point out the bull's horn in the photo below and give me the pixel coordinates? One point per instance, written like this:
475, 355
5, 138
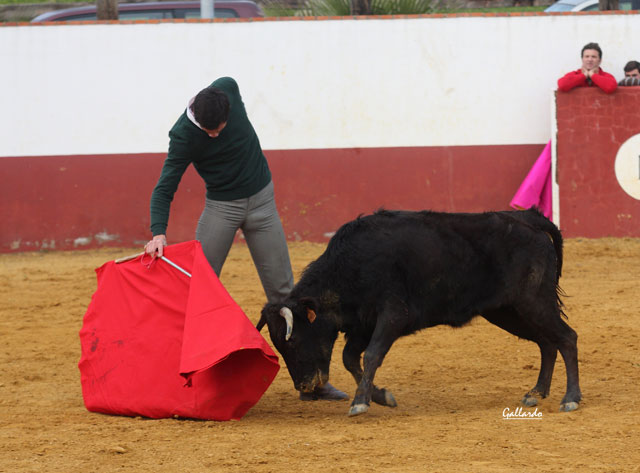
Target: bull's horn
288, 316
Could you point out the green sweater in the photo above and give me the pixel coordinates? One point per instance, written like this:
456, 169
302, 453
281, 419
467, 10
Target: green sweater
232, 164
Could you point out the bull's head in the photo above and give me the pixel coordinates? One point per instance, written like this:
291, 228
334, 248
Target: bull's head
303, 338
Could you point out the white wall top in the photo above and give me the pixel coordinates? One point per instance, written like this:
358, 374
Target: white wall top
118, 88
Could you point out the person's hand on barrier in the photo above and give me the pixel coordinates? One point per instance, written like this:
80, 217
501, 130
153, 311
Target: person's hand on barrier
593, 71
156, 246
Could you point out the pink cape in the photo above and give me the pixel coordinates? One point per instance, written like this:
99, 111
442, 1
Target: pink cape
157, 343
535, 190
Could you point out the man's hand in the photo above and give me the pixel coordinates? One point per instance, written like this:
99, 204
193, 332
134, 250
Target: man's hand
588, 73
156, 246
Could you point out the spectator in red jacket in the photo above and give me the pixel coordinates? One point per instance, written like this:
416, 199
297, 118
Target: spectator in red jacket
590, 74
535, 190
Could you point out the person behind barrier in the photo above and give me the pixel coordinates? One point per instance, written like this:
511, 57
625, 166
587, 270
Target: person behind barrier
590, 74
535, 190
631, 74
215, 135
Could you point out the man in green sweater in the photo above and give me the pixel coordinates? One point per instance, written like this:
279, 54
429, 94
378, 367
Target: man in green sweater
215, 135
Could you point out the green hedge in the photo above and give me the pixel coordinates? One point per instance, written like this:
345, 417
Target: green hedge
11, 2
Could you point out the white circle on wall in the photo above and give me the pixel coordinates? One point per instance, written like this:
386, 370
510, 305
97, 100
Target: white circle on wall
627, 166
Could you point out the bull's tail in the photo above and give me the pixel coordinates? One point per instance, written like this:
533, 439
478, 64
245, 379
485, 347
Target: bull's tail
534, 218
557, 244
547, 226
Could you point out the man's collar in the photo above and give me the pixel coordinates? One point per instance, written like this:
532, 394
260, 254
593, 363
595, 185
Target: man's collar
190, 114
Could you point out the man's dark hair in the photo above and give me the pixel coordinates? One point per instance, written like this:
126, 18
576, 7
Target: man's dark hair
631, 65
593, 46
210, 108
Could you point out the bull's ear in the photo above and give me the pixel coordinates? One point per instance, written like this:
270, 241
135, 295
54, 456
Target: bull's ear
308, 303
266, 310
311, 315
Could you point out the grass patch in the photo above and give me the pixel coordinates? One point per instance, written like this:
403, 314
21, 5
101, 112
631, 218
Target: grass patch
274, 8
26, 2
494, 10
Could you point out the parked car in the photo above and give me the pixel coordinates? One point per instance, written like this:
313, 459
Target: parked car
589, 5
157, 11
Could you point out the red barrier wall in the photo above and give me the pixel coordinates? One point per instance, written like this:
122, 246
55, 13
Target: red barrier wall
67, 202
591, 128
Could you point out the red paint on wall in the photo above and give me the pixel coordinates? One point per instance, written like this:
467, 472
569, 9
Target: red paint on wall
319, 190
591, 128
69, 202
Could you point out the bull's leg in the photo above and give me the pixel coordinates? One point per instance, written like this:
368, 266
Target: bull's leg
383, 337
548, 354
550, 325
569, 351
351, 358
508, 319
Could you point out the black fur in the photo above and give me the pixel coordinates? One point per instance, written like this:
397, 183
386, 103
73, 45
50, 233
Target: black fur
393, 273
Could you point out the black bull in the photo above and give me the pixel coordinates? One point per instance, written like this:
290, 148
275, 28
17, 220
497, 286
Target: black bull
393, 273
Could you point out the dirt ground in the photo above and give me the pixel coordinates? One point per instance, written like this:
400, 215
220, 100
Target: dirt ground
452, 386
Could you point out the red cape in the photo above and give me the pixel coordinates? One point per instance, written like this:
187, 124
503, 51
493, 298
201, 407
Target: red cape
158, 343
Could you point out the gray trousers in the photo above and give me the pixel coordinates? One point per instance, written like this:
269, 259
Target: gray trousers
258, 218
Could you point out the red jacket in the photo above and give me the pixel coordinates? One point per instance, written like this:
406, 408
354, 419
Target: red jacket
575, 79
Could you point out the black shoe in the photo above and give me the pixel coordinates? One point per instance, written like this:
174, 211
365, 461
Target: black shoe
324, 393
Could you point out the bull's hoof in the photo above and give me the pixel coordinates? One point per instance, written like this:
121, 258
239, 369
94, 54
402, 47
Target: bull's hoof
529, 401
568, 406
358, 409
389, 400
383, 397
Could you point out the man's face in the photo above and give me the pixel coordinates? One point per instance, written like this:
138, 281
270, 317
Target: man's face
633, 73
590, 59
216, 132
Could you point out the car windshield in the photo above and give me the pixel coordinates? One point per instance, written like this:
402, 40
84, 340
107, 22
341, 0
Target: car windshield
586, 6
218, 13
559, 6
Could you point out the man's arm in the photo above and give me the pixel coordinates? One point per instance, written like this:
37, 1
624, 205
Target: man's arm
571, 80
629, 81
605, 81
162, 196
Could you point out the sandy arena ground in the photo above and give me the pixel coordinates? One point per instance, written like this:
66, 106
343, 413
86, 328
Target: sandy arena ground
452, 387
